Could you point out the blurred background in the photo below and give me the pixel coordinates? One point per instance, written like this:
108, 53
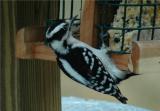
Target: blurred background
37, 85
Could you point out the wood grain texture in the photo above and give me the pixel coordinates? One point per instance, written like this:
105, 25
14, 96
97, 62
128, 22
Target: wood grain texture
39, 89
27, 84
8, 72
38, 80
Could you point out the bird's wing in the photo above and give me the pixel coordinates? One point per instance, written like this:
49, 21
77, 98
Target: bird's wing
85, 63
83, 66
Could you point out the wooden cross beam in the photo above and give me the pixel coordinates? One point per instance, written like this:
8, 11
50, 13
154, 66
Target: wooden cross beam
30, 45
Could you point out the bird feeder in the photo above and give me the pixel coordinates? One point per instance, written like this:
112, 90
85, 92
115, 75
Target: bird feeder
29, 40
132, 25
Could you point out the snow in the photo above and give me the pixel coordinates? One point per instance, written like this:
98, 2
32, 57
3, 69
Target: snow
79, 104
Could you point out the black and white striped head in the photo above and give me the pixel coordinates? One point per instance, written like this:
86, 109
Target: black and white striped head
59, 30
56, 31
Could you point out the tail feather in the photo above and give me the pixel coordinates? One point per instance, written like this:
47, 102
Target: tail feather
121, 98
126, 77
130, 75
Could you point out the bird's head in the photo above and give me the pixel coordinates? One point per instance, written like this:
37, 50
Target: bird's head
58, 31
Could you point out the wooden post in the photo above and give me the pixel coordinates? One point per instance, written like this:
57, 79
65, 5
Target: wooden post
39, 89
88, 21
27, 84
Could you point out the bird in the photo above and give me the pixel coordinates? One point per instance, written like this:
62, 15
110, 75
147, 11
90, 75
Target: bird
89, 66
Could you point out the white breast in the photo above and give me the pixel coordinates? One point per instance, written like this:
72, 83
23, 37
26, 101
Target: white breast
72, 72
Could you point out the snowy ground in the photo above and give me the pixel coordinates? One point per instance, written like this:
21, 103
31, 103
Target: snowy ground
79, 104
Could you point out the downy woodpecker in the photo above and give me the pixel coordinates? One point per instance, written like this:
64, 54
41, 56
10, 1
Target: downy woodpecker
87, 65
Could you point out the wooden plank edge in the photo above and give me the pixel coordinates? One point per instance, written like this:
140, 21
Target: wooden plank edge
135, 56
32, 50
144, 49
149, 48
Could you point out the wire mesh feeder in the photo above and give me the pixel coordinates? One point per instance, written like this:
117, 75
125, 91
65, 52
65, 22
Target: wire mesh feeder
130, 20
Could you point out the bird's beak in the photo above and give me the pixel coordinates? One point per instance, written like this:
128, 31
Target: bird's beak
72, 21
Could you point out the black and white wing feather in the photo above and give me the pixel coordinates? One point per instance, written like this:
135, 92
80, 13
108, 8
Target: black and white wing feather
81, 65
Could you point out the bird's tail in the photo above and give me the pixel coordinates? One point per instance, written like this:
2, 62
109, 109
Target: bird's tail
128, 75
121, 98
